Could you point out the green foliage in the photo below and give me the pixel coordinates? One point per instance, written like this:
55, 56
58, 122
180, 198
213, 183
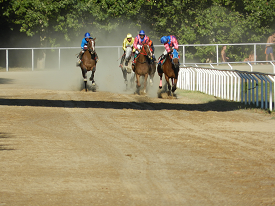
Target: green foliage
191, 21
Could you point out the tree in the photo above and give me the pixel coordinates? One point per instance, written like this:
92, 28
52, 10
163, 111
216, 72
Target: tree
191, 21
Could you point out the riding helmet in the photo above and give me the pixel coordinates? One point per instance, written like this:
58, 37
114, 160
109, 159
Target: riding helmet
163, 39
87, 35
129, 36
142, 32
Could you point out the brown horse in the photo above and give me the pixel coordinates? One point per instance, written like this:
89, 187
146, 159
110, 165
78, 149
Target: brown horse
88, 62
170, 68
142, 66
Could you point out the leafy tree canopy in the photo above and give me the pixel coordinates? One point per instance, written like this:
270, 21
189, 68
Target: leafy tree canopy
192, 21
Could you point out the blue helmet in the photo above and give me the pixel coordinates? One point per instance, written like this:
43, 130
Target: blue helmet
87, 35
163, 39
142, 32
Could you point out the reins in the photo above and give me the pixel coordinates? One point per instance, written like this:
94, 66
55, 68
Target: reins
144, 54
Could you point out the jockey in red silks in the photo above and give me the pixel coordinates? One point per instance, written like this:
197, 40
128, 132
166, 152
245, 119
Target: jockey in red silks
171, 45
139, 40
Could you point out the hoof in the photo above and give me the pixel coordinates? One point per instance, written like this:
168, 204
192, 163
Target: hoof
160, 87
93, 83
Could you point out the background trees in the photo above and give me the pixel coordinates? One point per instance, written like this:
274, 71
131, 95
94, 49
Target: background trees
63, 22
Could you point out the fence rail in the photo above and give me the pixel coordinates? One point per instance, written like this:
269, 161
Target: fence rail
248, 87
181, 48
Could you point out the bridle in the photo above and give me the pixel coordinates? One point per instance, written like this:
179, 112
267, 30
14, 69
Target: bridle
91, 46
143, 52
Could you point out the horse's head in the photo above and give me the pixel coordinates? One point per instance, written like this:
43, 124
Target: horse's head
175, 58
91, 45
176, 62
146, 51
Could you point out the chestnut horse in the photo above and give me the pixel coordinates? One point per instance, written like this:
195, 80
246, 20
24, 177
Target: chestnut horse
142, 66
88, 62
170, 68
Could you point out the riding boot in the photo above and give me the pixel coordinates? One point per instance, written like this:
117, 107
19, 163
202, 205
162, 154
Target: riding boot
79, 56
161, 58
134, 61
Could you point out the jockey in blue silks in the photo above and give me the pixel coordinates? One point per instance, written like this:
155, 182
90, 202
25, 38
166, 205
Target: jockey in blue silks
171, 45
84, 42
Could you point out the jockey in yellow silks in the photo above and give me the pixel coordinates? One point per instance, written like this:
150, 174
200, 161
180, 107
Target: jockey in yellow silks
127, 42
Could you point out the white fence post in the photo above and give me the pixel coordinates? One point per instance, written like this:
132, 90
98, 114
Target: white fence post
32, 60
7, 60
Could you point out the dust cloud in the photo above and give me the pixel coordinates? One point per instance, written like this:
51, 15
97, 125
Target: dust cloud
67, 76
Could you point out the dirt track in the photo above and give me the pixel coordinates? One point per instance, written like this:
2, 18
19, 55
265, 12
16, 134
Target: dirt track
65, 147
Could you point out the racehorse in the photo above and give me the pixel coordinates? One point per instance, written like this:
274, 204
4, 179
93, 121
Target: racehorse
142, 66
170, 68
127, 68
88, 62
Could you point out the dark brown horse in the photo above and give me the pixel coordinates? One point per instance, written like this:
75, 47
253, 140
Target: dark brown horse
142, 66
88, 62
170, 68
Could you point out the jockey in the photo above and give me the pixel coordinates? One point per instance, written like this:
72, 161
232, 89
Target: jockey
139, 40
84, 42
127, 42
171, 45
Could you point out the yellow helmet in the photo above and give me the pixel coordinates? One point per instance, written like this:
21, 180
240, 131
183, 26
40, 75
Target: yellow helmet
129, 35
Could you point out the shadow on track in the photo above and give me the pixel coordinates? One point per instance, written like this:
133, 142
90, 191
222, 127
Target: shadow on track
218, 105
6, 81
4, 136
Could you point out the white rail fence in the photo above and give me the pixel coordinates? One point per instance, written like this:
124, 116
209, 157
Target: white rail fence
159, 48
248, 87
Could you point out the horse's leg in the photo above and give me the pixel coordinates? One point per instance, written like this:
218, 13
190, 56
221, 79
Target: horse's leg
176, 80
151, 74
93, 75
138, 80
145, 82
84, 74
160, 82
160, 72
138, 83
124, 71
174, 86
168, 83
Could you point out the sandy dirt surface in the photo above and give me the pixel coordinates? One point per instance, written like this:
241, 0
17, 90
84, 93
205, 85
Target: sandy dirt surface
63, 146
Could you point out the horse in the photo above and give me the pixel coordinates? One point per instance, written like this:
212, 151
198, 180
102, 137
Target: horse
127, 68
142, 66
88, 62
170, 68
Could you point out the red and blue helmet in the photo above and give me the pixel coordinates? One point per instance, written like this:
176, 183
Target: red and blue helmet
142, 32
87, 35
164, 39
